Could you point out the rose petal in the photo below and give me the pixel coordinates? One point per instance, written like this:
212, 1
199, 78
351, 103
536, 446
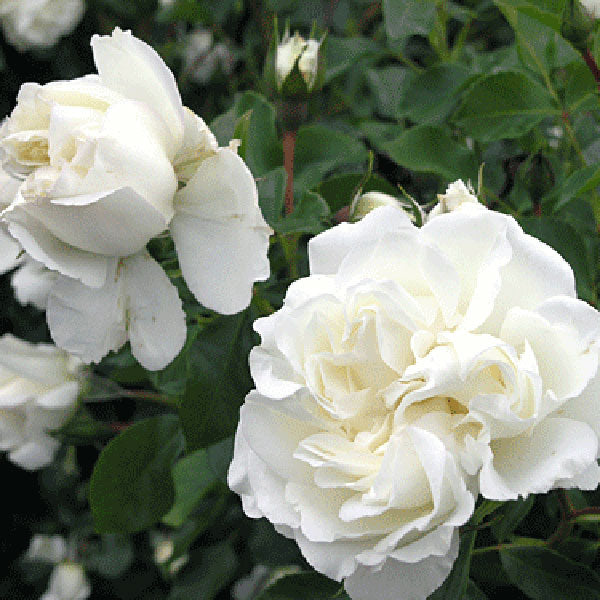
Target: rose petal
557, 449
409, 581
156, 325
220, 234
128, 65
327, 250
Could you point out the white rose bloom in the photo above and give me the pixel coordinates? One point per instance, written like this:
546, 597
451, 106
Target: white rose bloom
68, 582
103, 156
39, 23
412, 366
39, 385
592, 6
98, 151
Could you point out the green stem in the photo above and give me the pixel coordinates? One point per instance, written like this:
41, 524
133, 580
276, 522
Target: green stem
525, 543
289, 243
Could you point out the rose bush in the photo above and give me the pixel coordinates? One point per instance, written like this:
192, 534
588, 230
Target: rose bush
39, 385
410, 370
103, 156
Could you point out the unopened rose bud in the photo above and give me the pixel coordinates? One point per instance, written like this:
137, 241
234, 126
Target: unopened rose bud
295, 66
364, 203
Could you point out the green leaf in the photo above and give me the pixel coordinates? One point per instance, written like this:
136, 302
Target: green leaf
473, 592
262, 150
343, 53
240, 132
513, 513
541, 47
431, 95
271, 194
581, 92
219, 380
387, 85
430, 149
378, 133
338, 190
308, 216
486, 508
131, 487
543, 574
503, 106
408, 17
320, 150
193, 478
578, 184
455, 586
297, 586
110, 556
206, 577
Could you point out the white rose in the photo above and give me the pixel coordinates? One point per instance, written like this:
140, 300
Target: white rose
105, 156
98, 151
39, 23
68, 582
39, 385
414, 365
592, 6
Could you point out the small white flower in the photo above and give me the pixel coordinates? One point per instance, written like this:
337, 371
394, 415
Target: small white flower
593, 7
39, 23
68, 582
201, 57
413, 367
39, 385
47, 548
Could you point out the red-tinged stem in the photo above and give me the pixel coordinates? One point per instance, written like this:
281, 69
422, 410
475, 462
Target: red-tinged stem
591, 63
289, 144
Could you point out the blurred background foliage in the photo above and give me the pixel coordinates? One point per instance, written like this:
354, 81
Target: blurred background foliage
432, 90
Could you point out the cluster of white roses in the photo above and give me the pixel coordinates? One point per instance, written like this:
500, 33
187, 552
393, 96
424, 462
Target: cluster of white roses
414, 369
108, 162
68, 580
38, 23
